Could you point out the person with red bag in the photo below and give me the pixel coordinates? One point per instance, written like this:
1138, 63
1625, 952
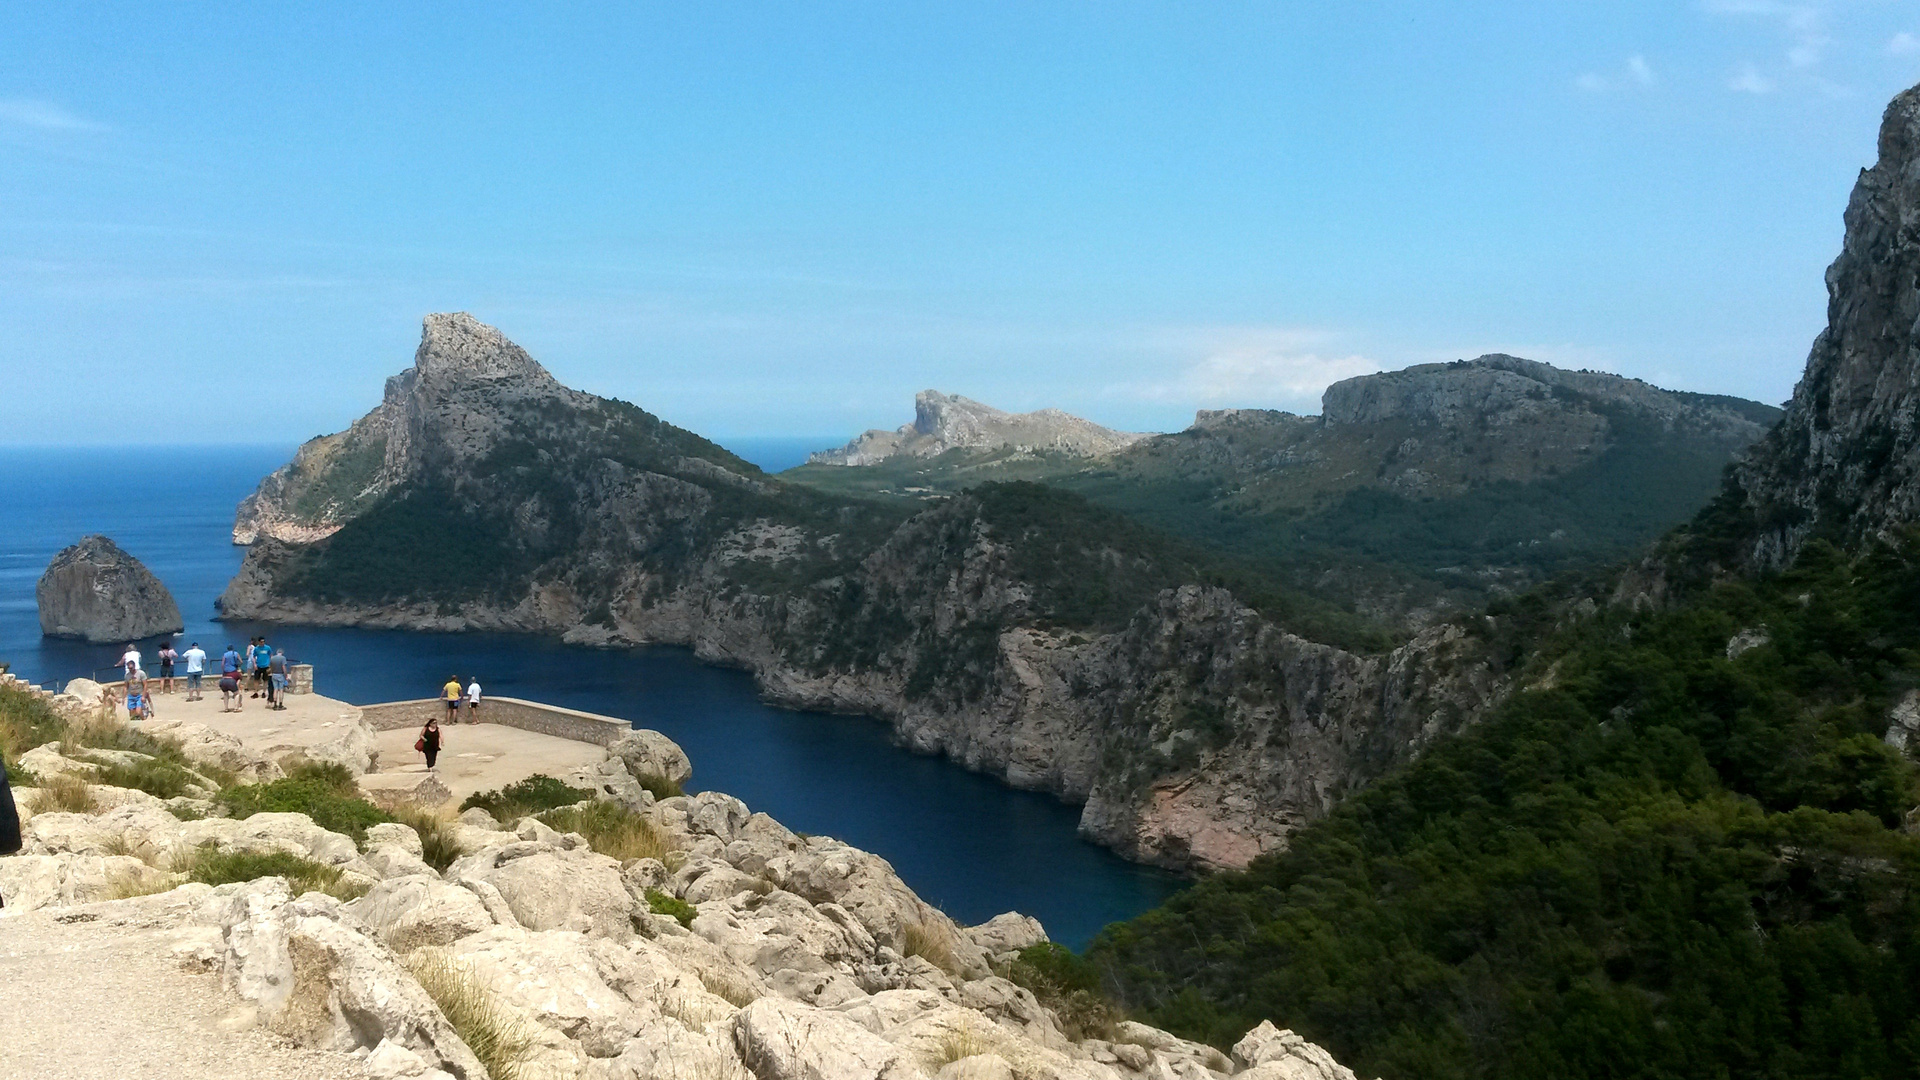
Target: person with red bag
429, 742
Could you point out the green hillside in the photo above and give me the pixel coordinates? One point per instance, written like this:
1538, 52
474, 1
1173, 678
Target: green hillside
1658, 861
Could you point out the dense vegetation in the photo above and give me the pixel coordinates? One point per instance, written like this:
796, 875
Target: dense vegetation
1657, 861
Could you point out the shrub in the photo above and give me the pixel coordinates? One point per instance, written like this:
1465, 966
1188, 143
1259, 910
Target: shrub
25, 722
111, 734
611, 829
1067, 984
328, 774
660, 787
677, 909
66, 792
159, 778
525, 798
217, 867
326, 805
438, 848
499, 1040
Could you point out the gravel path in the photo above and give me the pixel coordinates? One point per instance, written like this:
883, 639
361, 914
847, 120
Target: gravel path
90, 1000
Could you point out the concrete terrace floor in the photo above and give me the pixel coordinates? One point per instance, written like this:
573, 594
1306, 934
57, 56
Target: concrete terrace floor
476, 757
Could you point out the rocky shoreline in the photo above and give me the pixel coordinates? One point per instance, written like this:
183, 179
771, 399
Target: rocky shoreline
743, 950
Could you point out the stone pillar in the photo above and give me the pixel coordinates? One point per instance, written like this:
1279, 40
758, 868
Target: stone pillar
300, 679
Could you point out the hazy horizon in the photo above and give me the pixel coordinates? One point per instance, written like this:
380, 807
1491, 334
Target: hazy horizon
760, 222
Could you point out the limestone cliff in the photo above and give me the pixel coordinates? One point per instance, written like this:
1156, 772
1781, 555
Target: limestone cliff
1844, 463
943, 422
1019, 630
96, 592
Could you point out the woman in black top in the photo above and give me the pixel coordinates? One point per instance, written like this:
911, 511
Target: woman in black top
9, 820
430, 742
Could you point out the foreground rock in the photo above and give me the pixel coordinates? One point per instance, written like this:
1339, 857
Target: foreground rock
98, 593
802, 958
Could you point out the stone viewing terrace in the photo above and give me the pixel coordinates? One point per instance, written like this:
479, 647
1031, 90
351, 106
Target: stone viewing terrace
514, 739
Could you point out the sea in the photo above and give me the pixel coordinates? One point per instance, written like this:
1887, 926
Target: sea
963, 841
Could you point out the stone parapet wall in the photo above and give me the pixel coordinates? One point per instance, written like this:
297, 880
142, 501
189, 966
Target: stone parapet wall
507, 712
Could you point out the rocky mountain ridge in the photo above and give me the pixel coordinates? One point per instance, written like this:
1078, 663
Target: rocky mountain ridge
944, 422
1017, 630
1844, 463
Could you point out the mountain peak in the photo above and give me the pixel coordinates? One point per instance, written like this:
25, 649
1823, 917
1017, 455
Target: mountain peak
456, 347
943, 422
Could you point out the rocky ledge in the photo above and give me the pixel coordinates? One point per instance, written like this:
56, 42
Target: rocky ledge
787, 957
96, 592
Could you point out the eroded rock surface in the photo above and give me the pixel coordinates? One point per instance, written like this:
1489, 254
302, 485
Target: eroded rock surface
96, 592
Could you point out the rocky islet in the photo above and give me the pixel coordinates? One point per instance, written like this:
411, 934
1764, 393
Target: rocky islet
98, 593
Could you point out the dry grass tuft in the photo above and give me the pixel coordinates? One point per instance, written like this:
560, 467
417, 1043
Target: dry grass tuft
727, 988
68, 793
932, 943
612, 829
438, 848
128, 886
498, 1038
960, 1041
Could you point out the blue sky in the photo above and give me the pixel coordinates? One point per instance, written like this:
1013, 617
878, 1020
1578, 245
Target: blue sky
225, 225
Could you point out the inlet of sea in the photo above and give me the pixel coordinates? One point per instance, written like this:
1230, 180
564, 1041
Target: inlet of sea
963, 841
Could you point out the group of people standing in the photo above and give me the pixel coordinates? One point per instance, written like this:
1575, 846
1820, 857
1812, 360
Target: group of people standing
431, 740
264, 667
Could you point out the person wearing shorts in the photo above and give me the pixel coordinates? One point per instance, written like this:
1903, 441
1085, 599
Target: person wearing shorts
167, 657
473, 700
277, 672
196, 659
230, 695
139, 697
261, 657
450, 694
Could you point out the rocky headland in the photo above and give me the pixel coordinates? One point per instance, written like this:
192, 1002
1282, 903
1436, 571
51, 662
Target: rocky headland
1017, 630
98, 593
734, 948
943, 422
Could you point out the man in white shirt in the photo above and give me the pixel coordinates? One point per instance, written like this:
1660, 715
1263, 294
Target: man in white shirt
196, 659
473, 700
130, 662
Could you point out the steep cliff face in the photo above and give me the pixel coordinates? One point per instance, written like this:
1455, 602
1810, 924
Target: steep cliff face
1019, 630
1845, 461
943, 422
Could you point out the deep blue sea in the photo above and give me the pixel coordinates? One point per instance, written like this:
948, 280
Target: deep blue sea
963, 841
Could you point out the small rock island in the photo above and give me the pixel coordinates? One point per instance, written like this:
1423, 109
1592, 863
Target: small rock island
98, 593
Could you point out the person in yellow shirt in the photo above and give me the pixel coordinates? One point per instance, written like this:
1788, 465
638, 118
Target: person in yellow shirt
450, 694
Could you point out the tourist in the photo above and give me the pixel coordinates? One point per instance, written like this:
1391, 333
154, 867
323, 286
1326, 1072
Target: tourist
277, 671
230, 662
230, 696
450, 694
473, 700
130, 661
196, 658
429, 742
167, 657
139, 698
9, 820
262, 658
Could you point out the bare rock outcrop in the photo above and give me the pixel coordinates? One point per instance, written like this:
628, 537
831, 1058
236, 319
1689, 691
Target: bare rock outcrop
96, 592
943, 422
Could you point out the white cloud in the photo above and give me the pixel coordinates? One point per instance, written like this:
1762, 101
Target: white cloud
1637, 73
1250, 367
1904, 44
45, 115
1748, 80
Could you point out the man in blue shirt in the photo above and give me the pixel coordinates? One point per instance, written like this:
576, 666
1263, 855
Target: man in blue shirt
262, 657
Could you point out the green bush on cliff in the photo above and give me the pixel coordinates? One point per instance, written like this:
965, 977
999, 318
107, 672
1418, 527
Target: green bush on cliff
1659, 862
329, 806
525, 798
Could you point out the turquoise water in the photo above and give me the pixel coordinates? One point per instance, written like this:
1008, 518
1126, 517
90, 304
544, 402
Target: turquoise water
963, 841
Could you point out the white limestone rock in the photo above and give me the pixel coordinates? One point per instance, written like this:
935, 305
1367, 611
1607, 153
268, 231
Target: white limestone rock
411, 912
551, 888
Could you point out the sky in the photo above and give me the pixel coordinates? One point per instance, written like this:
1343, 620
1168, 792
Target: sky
223, 223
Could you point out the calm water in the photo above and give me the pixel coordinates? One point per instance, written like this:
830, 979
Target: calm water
962, 840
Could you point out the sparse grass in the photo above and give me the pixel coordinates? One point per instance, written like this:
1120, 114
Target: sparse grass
525, 798
438, 848
128, 886
932, 943
186, 813
673, 907
500, 1040
217, 867
658, 786
329, 806
694, 1011
68, 793
25, 722
329, 774
960, 1041
111, 734
612, 829
1068, 986
727, 988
